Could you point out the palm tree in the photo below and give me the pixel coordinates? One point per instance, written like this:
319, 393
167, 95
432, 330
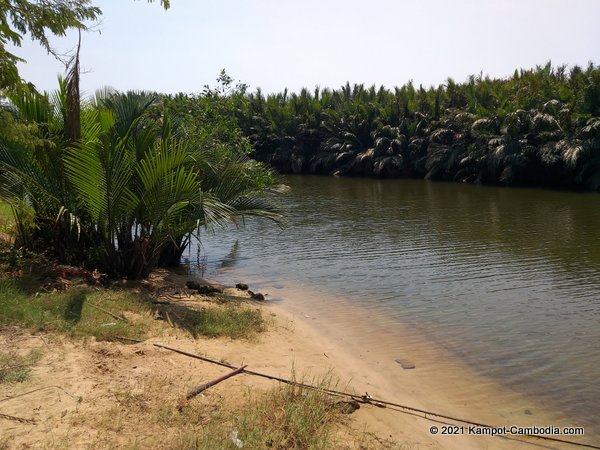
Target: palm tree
128, 191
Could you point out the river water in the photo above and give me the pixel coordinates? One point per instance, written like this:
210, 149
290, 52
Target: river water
506, 279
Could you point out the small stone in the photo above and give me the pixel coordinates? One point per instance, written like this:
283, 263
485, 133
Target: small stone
206, 289
257, 296
191, 284
528, 412
405, 363
242, 286
347, 407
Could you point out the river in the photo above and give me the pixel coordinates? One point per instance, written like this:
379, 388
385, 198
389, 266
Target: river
506, 279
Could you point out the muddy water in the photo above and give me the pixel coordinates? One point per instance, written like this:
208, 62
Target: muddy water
507, 280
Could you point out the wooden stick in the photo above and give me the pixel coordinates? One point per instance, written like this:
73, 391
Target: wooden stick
35, 390
205, 386
109, 313
17, 419
126, 339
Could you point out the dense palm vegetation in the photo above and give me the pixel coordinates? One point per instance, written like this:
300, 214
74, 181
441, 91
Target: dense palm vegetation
124, 187
538, 127
122, 181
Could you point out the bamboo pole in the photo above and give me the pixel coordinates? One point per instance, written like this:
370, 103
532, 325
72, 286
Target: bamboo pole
430, 415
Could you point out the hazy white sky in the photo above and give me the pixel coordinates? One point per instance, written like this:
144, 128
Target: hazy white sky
275, 44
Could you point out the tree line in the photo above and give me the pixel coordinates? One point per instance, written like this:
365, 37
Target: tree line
538, 127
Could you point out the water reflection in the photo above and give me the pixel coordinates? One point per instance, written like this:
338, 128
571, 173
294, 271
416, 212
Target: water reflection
231, 258
507, 278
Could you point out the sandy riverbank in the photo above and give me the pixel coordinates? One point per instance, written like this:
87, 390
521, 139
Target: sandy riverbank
363, 348
108, 388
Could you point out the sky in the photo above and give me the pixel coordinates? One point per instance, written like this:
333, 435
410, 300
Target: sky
277, 44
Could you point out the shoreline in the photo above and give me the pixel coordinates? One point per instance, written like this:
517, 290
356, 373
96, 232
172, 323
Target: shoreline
358, 349
348, 347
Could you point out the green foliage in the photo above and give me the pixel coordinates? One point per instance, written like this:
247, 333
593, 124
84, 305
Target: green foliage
38, 19
129, 194
6, 213
536, 127
164, 3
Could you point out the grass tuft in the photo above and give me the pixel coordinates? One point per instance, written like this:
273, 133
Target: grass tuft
287, 417
230, 320
16, 368
291, 417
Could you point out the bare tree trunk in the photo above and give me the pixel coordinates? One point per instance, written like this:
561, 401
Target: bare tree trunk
73, 119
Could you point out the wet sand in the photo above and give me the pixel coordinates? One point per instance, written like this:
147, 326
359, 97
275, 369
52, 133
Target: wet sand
363, 348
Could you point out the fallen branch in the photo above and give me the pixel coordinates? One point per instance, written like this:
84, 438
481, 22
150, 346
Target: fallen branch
18, 419
11, 397
109, 313
137, 341
205, 386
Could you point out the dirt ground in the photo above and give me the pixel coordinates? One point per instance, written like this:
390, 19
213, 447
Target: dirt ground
88, 394
122, 394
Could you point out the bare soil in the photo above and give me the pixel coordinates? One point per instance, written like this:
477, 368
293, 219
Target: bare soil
97, 395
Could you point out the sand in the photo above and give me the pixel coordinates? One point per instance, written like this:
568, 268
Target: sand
310, 334
364, 348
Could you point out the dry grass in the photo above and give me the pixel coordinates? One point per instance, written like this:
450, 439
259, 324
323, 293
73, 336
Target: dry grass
15, 367
285, 417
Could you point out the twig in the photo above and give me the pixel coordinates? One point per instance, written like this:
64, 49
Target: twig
13, 367
205, 386
18, 419
109, 313
35, 390
43, 340
127, 339
177, 316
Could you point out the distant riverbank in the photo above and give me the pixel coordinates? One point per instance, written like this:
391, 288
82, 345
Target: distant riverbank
539, 127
